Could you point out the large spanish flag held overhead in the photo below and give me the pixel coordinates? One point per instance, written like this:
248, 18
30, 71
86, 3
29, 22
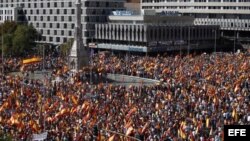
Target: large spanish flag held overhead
32, 60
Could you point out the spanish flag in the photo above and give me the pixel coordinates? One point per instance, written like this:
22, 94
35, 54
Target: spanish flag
181, 132
32, 60
145, 127
131, 111
129, 131
235, 115
111, 138
207, 122
74, 99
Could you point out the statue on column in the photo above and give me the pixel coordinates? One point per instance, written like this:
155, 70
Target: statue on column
78, 57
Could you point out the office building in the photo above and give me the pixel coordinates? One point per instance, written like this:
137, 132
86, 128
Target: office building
54, 19
151, 32
233, 16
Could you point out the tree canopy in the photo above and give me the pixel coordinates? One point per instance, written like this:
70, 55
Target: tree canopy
65, 47
19, 39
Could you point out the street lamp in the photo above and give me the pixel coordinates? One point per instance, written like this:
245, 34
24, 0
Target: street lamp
234, 40
188, 39
180, 39
215, 37
2, 63
2, 52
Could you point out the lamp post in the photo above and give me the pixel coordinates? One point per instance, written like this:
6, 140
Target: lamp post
43, 58
188, 40
91, 68
215, 37
188, 53
180, 39
234, 40
2, 52
2, 64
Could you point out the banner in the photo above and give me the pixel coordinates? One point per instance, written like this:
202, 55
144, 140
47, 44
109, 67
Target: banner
40, 137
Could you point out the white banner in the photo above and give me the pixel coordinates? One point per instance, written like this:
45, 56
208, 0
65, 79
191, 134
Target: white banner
40, 137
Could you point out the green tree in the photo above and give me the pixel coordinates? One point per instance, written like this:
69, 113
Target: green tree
65, 47
7, 30
18, 38
24, 39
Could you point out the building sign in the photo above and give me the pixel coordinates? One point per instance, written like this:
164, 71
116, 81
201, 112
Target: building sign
122, 47
122, 13
136, 49
92, 45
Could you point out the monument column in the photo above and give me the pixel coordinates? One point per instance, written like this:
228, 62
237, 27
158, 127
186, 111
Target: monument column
78, 57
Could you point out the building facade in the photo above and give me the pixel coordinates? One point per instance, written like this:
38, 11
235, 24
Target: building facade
154, 38
153, 33
230, 15
10, 14
54, 19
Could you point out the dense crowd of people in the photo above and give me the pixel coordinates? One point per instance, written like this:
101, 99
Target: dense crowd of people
199, 94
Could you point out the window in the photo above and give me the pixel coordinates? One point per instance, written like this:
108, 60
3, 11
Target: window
57, 39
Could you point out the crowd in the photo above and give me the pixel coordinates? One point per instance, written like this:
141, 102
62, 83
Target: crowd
15, 64
199, 94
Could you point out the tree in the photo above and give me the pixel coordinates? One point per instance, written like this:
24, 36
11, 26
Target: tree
24, 39
7, 30
65, 47
18, 38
